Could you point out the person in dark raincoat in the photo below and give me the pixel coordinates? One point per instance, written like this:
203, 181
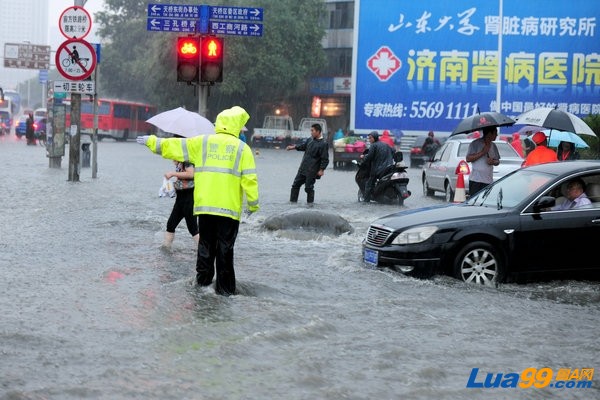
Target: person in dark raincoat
30, 130
378, 158
566, 151
312, 167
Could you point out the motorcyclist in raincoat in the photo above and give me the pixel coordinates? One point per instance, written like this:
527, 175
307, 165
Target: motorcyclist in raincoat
224, 172
378, 158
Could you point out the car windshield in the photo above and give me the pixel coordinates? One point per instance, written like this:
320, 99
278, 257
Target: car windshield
504, 148
510, 190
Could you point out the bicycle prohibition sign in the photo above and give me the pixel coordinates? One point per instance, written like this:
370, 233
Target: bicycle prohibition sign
75, 59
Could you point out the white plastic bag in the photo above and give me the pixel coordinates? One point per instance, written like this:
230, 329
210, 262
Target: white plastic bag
167, 189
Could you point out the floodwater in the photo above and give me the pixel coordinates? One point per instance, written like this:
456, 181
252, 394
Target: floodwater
92, 308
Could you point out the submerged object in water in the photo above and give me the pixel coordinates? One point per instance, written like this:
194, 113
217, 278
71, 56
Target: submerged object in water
308, 220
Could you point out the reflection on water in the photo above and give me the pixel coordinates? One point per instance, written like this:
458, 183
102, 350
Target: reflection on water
92, 307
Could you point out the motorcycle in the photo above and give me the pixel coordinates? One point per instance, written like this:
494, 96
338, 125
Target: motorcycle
392, 185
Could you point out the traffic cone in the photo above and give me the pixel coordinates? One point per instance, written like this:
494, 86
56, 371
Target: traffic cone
459, 194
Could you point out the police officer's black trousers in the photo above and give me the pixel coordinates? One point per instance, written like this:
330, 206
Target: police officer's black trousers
217, 238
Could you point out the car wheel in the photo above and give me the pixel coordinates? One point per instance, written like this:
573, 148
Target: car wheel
449, 193
479, 263
426, 190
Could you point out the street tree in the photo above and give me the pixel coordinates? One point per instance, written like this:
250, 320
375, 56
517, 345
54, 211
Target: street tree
140, 65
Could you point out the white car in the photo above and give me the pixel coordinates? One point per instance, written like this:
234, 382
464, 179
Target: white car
439, 174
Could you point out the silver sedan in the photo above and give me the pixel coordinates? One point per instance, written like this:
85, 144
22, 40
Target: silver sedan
439, 173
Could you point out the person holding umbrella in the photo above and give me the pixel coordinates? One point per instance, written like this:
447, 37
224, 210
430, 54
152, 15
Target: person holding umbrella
483, 156
541, 154
566, 151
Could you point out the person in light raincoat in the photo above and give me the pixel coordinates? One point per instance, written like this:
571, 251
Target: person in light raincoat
224, 172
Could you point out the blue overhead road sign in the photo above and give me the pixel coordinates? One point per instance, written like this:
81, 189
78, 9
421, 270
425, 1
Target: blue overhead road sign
235, 28
174, 11
236, 13
202, 19
171, 25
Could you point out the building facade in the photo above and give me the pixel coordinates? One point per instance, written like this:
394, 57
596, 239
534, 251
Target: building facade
22, 21
332, 89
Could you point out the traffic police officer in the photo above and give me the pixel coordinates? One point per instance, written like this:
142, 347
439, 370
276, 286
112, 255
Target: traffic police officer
224, 171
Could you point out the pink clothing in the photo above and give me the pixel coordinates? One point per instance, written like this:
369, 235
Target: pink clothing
516, 144
387, 139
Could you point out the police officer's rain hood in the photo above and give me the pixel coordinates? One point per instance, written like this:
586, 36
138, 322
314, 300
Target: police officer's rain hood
231, 121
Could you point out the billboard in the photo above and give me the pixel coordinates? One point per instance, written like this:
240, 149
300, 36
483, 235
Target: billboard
425, 65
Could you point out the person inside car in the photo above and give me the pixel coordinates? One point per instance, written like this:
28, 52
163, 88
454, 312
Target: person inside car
575, 196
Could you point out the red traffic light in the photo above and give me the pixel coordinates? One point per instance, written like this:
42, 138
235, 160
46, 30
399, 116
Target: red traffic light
211, 60
212, 48
188, 60
187, 47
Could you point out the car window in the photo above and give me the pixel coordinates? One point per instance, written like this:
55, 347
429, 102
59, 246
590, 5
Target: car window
447, 152
592, 190
511, 189
438, 154
419, 141
462, 149
506, 150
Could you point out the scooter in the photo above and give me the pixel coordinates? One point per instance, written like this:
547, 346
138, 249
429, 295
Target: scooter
390, 188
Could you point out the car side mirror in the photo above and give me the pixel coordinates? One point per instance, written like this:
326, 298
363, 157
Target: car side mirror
543, 203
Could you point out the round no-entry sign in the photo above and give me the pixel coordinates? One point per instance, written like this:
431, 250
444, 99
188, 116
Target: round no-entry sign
75, 59
75, 22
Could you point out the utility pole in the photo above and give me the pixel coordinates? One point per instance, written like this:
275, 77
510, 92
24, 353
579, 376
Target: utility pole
75, 128
75, 137
95, 128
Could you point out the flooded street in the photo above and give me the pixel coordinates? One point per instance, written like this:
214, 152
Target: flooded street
92, 308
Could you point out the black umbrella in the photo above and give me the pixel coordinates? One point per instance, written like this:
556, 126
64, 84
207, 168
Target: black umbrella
482, 120
552, 118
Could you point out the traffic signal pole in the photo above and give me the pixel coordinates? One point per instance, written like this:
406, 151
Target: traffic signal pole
203, 100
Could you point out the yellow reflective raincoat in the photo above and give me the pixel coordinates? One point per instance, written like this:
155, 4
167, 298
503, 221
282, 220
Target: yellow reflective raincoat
224, 165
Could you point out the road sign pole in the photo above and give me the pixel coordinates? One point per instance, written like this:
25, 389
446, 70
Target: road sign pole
95, 134
74, 137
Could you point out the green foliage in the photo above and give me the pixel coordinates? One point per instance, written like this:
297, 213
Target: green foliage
140, 65
593, 121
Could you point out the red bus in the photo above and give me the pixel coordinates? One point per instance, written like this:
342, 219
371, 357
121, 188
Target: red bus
117, 119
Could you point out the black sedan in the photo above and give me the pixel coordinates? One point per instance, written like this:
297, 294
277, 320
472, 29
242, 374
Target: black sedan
512, 231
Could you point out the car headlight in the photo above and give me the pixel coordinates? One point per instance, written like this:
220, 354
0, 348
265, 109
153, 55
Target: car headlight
415, 235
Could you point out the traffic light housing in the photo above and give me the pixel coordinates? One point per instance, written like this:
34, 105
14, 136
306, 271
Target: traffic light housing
188, 59
211, 60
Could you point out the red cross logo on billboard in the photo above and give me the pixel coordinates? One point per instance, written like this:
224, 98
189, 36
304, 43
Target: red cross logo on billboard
384, 63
